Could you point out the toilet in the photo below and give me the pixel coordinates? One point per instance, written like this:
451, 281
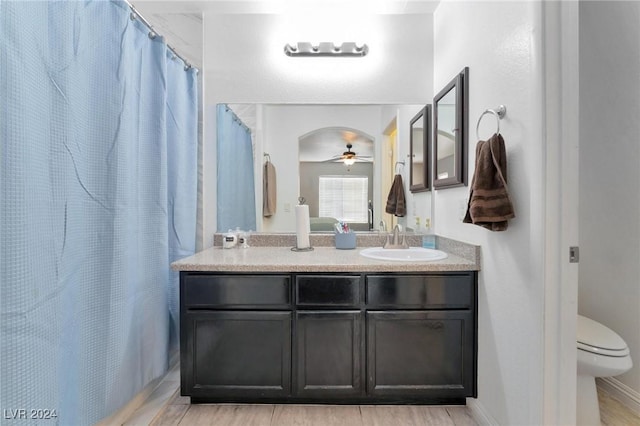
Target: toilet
601, 353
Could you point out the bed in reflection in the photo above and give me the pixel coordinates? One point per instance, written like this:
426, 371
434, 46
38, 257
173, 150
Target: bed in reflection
322, 224
326, 224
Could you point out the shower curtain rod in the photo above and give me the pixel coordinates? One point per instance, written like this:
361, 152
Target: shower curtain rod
153, 33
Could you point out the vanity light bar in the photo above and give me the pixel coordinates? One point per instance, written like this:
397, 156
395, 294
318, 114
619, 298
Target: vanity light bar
326, 49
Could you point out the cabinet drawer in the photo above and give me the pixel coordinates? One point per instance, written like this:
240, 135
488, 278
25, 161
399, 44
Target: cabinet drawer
236, 291
434, 291
328, 290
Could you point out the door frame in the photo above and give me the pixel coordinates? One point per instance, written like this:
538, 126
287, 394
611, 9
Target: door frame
560, 114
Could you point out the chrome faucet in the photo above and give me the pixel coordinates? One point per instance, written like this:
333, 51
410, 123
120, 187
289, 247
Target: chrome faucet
393, 242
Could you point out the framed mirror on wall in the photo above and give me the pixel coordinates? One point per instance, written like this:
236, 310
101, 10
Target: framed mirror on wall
450, 136
419, 141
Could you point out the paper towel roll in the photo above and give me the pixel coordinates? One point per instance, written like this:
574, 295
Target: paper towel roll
303, 226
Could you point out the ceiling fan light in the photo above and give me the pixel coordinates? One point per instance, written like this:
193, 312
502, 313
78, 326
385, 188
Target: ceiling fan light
349, 161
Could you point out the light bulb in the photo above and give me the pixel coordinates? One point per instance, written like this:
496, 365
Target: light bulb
349, 161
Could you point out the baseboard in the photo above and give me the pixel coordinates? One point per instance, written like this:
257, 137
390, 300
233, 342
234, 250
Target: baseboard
480, 414
628, 397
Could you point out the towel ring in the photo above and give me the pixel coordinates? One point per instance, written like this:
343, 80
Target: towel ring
499, 113
399, 163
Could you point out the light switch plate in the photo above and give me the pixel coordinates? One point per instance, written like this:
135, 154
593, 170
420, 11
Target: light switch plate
574, 254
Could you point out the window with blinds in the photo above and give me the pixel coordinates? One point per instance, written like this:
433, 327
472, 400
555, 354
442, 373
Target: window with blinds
344, 198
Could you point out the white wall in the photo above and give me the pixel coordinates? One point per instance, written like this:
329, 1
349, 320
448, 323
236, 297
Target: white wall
499, 42
244, 62
609, 283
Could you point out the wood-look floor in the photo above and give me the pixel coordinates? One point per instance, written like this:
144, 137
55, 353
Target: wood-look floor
613, 413
179, 412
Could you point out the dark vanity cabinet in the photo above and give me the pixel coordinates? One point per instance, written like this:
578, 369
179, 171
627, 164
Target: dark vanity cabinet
328, 336
352, 338
421, 336
235, 336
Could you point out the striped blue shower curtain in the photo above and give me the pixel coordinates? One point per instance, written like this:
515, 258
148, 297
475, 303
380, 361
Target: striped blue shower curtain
235, 178
98, 146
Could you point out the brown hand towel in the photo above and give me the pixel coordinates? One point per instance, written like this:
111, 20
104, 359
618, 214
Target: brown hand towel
395, 201
489, 203
269, 190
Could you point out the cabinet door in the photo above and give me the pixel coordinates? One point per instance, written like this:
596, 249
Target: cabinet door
329, 354
230, 354
420, 354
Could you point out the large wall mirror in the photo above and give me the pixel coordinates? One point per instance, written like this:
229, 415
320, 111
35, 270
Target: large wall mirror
419, 141
450, 122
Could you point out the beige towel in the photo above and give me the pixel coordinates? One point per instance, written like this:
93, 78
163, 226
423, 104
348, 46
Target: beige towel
269, 190
395, 201
489, 203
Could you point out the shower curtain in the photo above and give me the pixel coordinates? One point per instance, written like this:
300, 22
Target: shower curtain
235, 183
98, 128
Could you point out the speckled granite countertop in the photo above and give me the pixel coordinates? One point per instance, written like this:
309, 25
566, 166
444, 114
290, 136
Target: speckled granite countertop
462, 257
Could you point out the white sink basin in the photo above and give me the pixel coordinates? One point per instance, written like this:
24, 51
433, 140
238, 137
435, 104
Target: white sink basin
412, 254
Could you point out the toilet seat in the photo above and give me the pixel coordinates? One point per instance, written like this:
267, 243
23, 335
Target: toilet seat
598, 339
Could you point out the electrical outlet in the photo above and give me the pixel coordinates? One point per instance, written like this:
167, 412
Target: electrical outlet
287, 207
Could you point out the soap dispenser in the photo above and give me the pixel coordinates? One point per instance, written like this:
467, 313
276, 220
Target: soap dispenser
429, 238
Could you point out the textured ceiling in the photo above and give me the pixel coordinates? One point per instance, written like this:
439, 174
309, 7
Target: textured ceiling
329, 143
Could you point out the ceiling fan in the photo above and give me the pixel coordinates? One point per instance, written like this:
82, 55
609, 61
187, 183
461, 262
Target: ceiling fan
349, 157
